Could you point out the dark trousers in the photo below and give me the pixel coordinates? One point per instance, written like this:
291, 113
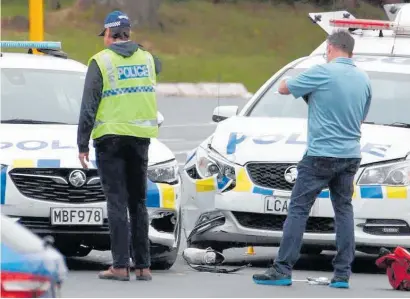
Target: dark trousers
315, 174
122, 165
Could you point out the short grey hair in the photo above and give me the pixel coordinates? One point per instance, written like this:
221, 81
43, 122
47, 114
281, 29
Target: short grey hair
342, 40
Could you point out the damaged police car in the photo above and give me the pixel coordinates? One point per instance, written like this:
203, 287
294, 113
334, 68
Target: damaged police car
239, 180
43, 185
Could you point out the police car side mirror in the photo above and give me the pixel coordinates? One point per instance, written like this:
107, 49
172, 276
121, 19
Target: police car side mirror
223, 112
160, 118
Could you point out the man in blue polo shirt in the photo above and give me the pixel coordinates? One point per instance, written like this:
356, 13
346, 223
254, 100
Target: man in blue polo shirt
338, 95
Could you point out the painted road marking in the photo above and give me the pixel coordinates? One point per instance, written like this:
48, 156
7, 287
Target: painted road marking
185, 152
181, 141
190, 125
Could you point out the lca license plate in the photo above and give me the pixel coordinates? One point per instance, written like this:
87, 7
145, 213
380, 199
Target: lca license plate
276, 205
77, 216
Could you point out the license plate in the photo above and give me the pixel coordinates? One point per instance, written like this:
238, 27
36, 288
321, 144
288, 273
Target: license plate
276, 205
76, 216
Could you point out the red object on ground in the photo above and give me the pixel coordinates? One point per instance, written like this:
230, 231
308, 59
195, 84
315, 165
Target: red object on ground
397, 265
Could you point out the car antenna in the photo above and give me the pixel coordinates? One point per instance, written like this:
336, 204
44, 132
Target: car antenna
219, 87
395, 36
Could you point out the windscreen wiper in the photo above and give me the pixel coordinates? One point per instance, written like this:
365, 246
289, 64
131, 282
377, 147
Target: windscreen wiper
395, 124
30, 121
399, 124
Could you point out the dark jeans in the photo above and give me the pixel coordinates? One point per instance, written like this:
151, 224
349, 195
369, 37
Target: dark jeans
315, 174
122, 164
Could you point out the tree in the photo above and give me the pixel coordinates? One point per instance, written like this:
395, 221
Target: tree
54, 4
141, 12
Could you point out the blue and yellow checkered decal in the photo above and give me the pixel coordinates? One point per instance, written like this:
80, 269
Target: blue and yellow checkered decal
244, 184
158, 195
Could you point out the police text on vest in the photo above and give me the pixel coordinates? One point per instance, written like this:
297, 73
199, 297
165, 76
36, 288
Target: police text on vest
132, 72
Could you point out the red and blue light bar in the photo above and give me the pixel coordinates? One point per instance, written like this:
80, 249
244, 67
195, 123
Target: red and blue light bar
363, 24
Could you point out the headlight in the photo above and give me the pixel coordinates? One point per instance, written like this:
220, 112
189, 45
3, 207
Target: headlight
163, 173
209, 163
394, 174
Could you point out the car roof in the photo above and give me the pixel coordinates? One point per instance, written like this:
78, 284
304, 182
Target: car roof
43, 62
374, 50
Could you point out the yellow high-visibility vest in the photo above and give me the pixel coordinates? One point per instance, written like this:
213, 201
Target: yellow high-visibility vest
128, 105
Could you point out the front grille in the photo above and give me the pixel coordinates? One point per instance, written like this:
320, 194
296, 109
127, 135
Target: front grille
41, 184
42, 223
269, 175
275, 222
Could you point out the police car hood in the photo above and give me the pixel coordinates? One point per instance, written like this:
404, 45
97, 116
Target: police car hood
245, 139
55, 146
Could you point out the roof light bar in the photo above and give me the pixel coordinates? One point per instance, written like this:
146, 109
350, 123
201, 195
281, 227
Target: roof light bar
29, 45
363, 24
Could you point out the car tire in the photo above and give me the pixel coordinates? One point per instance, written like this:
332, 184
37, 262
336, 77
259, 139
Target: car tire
75, 251
167, 264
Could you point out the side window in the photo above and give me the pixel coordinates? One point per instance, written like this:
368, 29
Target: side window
273, 104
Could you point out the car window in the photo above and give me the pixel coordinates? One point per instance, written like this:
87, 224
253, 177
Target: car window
18, 237
391, 92
41, 95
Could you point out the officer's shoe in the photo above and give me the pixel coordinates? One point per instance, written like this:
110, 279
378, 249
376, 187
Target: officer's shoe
339, 282
272, 277
112, 273
143, 274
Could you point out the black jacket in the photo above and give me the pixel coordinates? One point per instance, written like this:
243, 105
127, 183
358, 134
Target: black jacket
92, 93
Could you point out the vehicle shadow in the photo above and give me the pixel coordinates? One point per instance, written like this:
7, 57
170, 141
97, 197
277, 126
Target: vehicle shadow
83, 264
364, 264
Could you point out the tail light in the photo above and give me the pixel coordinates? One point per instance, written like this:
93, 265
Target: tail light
23, 285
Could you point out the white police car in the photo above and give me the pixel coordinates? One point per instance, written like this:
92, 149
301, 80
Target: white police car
238, 182
42, 182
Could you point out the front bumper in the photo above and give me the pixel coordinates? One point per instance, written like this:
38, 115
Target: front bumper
34, 213
239, 229
238, 217
97, 237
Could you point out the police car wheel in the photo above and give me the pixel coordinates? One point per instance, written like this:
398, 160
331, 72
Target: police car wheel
167, 264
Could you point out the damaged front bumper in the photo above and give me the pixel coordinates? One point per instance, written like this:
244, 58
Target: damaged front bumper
227, 229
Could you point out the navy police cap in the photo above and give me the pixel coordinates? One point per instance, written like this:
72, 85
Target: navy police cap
116, 19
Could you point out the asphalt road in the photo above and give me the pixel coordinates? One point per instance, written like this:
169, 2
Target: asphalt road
187, 123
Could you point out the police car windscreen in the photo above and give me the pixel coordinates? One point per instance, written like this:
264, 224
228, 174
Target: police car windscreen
390, 101
41, 96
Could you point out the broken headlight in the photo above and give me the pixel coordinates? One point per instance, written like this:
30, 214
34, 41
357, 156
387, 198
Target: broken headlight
209, 163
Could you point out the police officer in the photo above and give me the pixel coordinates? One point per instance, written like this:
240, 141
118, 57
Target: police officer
119, 111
